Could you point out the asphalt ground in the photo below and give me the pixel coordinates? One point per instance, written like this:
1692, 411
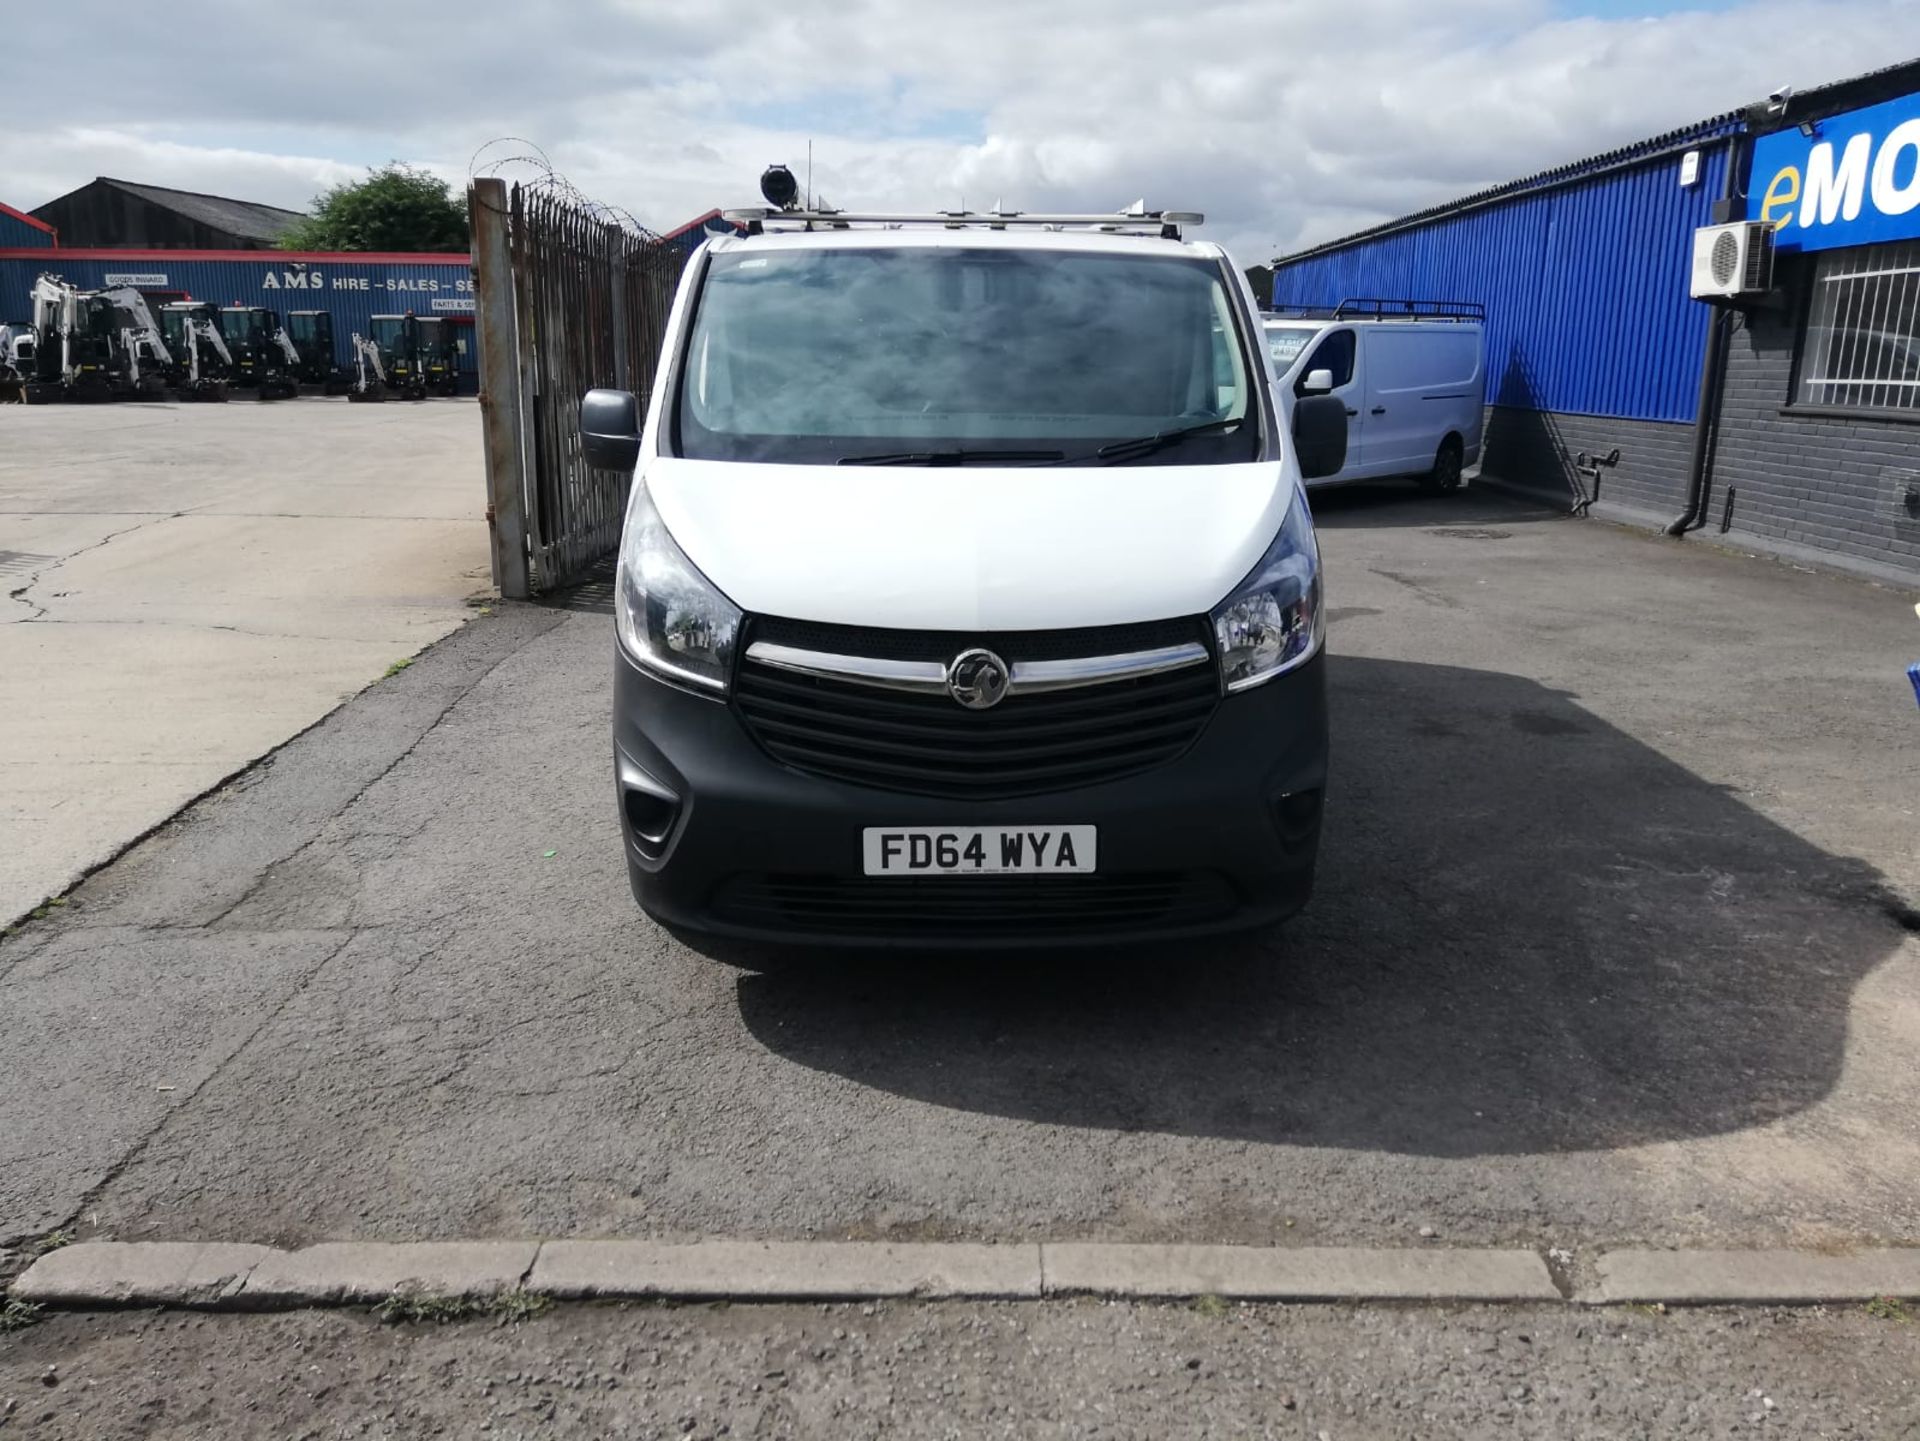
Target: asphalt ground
1612, 944
958, 1369
189, 585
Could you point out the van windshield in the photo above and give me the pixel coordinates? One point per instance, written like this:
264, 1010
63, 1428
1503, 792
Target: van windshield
818, 356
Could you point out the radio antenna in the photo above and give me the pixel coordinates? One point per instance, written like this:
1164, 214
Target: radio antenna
809, 172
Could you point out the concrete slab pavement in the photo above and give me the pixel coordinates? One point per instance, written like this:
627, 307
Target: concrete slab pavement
191, 585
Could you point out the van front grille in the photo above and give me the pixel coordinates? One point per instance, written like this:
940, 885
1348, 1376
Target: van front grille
922, 744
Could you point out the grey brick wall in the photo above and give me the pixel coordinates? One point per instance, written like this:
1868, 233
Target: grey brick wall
1830, 484
1537, 448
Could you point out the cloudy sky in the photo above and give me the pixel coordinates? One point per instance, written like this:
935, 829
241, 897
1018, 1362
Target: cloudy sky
1287, 121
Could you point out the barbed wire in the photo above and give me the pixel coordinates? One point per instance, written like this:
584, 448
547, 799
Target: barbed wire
529, 168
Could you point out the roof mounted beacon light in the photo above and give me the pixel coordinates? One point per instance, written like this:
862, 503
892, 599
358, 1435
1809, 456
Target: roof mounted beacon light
780, 188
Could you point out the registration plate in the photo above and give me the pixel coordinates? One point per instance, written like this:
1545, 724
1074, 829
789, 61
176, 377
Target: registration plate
977, 850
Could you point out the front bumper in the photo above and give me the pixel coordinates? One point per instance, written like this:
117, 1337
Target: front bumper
1222, 838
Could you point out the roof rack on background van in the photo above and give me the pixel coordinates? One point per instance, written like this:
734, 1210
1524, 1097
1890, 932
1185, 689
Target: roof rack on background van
1371, 309
1364, 307
1135, 220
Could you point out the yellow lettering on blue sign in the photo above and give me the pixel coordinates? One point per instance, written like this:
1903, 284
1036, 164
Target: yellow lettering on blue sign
1783, 191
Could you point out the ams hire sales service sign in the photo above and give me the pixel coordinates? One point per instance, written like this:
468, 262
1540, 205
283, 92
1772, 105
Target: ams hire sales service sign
1854, 181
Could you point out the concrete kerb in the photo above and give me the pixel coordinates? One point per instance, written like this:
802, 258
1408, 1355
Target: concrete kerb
786, 1270
1251, 1273
242, 1277
1786, 1278
140, 1273
349, 1272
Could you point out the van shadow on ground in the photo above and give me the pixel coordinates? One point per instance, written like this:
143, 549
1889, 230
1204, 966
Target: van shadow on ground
1400, 505
1531, 933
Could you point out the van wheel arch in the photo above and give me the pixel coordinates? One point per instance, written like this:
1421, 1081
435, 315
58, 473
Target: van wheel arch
1448, 463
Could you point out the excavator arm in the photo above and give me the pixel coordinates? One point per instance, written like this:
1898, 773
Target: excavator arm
367, 354
56, 312
209, 332
140, 329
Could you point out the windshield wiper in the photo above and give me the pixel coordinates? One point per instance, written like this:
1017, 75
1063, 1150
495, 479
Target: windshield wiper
949, 457
1147, 444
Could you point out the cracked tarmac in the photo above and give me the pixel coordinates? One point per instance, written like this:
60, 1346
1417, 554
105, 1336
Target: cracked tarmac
188, 586
1606, 950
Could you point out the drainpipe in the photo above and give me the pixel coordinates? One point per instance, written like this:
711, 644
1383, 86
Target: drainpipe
1713, 369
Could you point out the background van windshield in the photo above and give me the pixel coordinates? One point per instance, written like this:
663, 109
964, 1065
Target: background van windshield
822, 355
1285, 343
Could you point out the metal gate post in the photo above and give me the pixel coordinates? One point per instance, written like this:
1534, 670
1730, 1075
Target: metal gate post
617, 276
500, 387
534, 275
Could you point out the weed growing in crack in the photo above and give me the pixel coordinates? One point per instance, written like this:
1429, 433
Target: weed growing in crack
397, 667
17, 1316
1210, 1306
1889, 1308
410, 1307
54, 1240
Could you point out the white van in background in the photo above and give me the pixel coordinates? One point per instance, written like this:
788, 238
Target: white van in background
1412, 374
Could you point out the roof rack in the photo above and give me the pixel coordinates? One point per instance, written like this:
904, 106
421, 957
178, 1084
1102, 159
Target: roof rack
1136, 219
1369, 307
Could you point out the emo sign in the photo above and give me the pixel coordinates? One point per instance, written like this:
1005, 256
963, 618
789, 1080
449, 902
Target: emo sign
1854, 181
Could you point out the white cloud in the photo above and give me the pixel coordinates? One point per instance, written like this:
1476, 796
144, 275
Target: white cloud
1287, 122
46, 163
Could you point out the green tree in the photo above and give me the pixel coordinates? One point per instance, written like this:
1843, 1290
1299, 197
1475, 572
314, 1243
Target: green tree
395, 208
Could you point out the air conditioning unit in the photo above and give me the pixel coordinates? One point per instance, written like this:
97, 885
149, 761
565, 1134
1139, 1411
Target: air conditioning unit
1732, 261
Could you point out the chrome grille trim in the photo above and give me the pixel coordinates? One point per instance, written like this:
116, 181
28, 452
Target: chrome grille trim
1029, 677
925, 676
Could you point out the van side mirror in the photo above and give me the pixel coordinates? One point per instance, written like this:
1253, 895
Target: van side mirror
1317, 382
1320, 435
610, 429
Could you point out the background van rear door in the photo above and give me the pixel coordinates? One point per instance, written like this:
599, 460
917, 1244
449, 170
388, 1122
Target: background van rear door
1419, 385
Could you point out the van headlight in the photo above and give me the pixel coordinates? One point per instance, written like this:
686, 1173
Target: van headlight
670, 618
1272, 621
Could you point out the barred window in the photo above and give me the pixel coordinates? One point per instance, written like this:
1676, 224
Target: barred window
1862, 347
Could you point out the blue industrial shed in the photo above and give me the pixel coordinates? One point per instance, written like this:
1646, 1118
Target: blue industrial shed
1789, 417
1583, 272
19, 230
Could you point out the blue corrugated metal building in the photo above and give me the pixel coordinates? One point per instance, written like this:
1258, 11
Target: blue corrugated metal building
21, 231
1592, 339
1809, 444
353, 287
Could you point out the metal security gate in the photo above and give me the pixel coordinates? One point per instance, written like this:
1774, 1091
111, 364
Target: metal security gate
566, 300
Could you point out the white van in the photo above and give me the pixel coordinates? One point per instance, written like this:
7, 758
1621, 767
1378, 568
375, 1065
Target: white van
958, 606
1412, 375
